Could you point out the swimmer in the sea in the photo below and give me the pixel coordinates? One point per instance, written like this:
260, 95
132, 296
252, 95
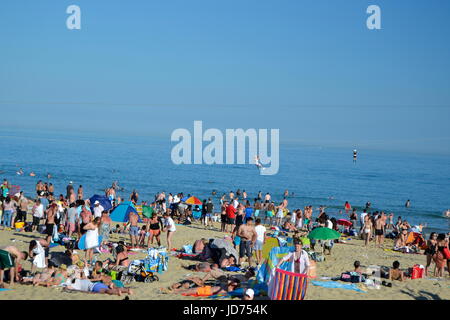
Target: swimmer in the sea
355, 154
32, 174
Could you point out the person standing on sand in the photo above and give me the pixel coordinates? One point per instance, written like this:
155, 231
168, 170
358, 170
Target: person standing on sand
50, 221
379, 230
23, 208
105, 228
430, 251
169, 226
367, 230
248, 236
38, 214
223, 216
240, 216
91, 238
231, 217
260, 240
299, 259
134, 228
154, 226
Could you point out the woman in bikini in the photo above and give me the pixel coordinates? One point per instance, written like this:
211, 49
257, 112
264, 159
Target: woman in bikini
154, 226
367, 230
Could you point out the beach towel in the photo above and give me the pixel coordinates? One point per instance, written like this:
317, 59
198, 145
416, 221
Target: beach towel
267, 269
288, 286
333, 284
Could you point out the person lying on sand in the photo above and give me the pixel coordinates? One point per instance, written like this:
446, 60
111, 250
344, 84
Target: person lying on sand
223, 288
58, 277
87, 285
41, 277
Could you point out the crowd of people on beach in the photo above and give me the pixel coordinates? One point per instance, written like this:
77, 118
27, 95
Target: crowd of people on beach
245, 223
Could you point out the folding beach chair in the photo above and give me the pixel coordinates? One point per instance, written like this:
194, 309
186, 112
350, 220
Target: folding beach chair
287, 285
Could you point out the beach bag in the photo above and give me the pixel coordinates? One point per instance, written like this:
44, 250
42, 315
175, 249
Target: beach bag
28, 227
417, 272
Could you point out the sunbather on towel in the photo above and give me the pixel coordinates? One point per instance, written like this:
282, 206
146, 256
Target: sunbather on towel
205, 291
86, 285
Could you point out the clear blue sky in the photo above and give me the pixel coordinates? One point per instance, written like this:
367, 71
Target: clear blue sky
310, 68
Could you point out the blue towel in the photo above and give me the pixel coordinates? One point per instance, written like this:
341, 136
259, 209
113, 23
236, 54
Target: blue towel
333, 284
4, 289
233, 269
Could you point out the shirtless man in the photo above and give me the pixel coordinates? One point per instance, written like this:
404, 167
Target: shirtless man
134, 229
380, 223
50, 221
248, 235
10, 257
231, 195
23, 208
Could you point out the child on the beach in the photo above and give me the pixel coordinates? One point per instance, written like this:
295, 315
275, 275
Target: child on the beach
142, 234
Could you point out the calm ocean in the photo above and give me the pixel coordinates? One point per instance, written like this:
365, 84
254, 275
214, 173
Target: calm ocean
317, 176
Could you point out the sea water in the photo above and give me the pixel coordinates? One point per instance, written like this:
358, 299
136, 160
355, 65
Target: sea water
316, 175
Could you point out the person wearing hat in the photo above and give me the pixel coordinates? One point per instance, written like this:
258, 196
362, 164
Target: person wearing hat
98, 209
249, 294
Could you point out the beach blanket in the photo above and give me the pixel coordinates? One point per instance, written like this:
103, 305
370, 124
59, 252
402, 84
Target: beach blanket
4, 289
333, 284
225, 246
266, 271
288, 286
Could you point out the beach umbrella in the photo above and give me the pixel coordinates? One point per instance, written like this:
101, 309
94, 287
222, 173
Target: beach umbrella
122, 212
147, 211
344, 222
193, 200
324, 234
104, 202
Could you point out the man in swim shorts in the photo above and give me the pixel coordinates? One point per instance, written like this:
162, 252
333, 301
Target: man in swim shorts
10, 257
248, 235
134, 229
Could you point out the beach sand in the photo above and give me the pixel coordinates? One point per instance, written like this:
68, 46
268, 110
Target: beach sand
341, 260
